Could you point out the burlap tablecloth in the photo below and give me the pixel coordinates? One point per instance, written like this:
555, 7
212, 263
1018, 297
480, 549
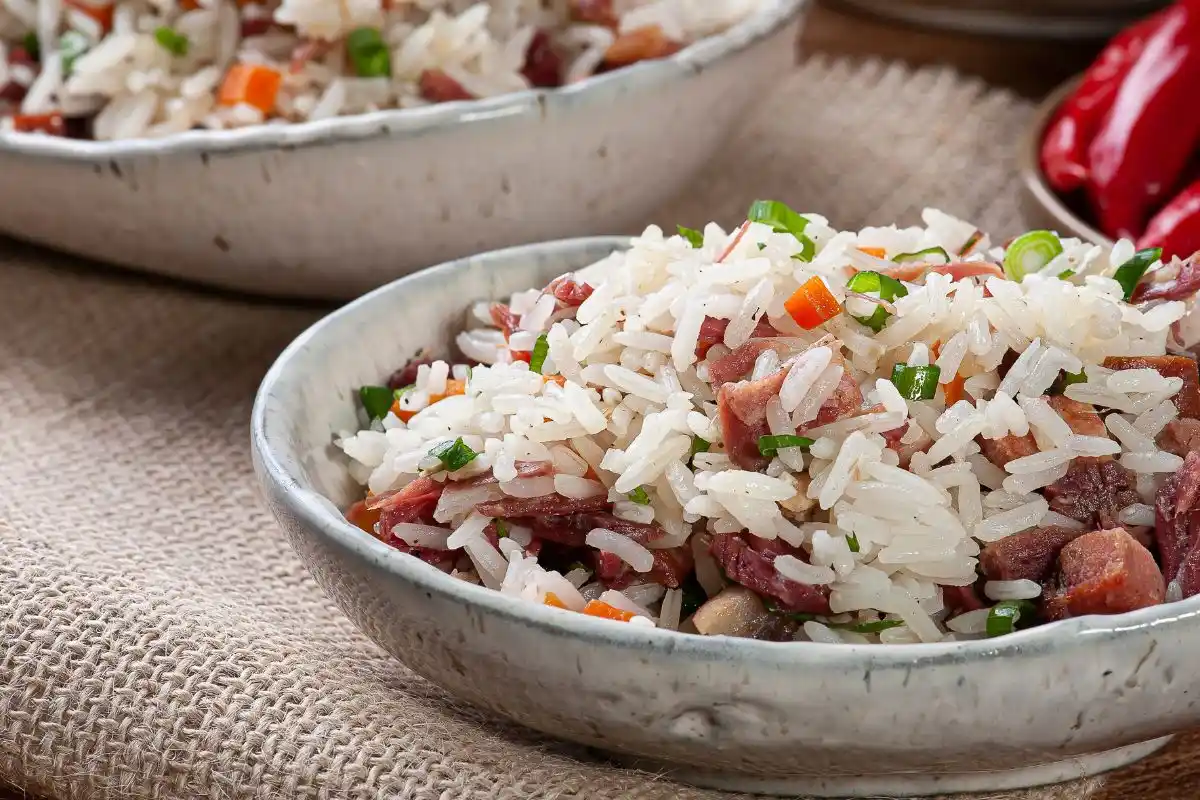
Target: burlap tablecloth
159, 638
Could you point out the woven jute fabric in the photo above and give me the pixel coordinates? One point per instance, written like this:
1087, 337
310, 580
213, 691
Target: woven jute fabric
159, 639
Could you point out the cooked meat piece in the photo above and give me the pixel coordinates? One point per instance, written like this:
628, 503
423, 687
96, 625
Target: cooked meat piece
554, 504
407, 375
755, 570
712, 331
1183, 287
738, 364
742, 409
503, 318
438, 87
1181, 436
641, 44
1007, 448
569, 292
1081, 418
1177, 525
912, 439
960, 599
847, 398
1029, 555
1188, 398
573, 529
671, 568
525, 469
1104, 572
414, 503
543, 65
1093, 491
442, 559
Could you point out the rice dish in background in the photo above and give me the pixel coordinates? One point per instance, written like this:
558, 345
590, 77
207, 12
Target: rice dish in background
791, 432
119, 69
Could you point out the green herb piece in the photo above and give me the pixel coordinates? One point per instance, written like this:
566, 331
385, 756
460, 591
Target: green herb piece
540, 350
923, 255
454, 455
1131, 272
1004, 616
881, 286
639, 496
797, 616
1066, 379
694, 237
698, 446
770, 445
762, 246
574, 565
1029, 252
71, 45
501, 529
376, 401
368, 53
972, 240
32, 46
852, 543
878, 626
1066, 274
916, 383
694, 596
399, 393
171, 40
783, 219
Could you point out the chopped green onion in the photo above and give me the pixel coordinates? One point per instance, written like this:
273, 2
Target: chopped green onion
783, 219
798, 616
501, 529
698, 446
1131, 272
884, 287
1004, 616
454, 455
852, 543
770, 445
368, 53
171, 40
694, 237
762, 246
1066, 379
540, 350
71, 45
376, 401
639, 496
1066, 274
32, 46
1029, 252
694, 596
574, 565
878, 626
916, 383
972, 240
403, 390
923, 255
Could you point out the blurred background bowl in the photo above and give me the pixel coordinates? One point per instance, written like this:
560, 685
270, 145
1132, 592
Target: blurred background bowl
1043, 19
1041, 206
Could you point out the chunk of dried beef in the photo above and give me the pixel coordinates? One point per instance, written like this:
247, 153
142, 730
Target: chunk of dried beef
543, 65
1081, 418
407, 375
1093, 491
1103, 572
1180, 436
1184, 367
552, 504
671, 568
1029, 555
1177, 526
438, 87
756, 571
569, 292
414, 503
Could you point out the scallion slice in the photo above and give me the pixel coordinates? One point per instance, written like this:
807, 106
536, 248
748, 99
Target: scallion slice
799, 616
639, 496
368, 53
1004, 616
852, 543
923, 255
698, 446
403, 390
541, 349
783, 219
71, 45
376, 401
1030, 252
1131, 272
916, 383
1066, 379
171, 40
694, 237
882, 286
969, 245
878, 626
501, 529
770, 445
454, 455
32, 46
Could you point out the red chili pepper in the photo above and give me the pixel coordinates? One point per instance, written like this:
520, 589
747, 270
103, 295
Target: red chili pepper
1064, 147
1176, 229
51, 123
1152, 129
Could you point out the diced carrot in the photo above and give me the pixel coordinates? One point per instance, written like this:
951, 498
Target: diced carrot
453, 387
878, 252
363, 517
100, 12
642, 44
402, 414
812, 304
955, 390
52, 123
252, 84
561, 380
598, 608
552, 600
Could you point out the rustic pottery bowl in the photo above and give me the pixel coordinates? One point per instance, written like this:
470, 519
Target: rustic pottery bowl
1043, 19
1041, 206
1060, 701
333, 208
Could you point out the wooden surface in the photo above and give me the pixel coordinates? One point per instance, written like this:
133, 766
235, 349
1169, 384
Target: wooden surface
1031, 69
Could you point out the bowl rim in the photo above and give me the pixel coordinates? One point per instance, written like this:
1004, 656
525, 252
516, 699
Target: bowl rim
275, 464
772, 16
1030, 167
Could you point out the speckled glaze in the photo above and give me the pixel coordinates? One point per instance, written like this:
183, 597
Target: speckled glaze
1060, 701
333, 208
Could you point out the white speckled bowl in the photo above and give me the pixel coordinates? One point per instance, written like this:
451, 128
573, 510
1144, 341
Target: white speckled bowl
333, 208
1056, 702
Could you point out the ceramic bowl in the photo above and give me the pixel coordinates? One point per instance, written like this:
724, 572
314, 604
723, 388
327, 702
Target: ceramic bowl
1063, 700
334, 208
1041, 206
1044, 19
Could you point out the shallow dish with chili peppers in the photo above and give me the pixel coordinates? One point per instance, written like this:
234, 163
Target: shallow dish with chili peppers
783, 506
221, 164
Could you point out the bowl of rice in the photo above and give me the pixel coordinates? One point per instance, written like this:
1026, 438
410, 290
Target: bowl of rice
780, 508
316, 148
